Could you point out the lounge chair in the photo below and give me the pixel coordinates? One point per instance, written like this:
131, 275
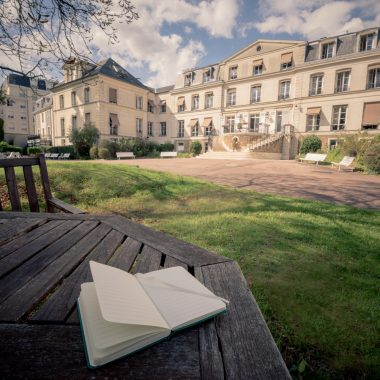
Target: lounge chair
344, 164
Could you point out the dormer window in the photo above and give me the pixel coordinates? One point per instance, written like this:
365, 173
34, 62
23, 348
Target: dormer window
327, 50
258, 67
188, 79
232, 74
208, 75
366, 42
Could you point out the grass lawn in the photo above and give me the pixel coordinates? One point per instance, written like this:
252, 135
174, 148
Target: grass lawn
312, 266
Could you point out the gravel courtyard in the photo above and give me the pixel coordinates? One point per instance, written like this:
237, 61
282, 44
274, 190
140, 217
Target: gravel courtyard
288, 178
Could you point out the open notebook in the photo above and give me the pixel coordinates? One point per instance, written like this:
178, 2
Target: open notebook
122, 313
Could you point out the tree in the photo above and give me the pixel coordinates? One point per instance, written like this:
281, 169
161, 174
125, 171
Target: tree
36, 35
83, 139
196, 148
310, 144
1, 130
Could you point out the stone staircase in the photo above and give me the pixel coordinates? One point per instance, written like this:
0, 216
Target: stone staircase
263, 144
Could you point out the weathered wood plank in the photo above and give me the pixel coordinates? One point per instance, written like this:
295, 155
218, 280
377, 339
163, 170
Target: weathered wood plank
51, 351
52, 216
172, 262
14, 196
31, 189
63, 206
26, 239
246, 344
125, 256
11, 228
169, 245
22, 301
149, 260
11, 162
10, 283
45, 181
211, 360
29, 249
61, 303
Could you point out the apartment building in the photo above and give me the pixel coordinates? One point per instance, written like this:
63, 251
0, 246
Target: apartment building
43, 119
329, 87
21, 93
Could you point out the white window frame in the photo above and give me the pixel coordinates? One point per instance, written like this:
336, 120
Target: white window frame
329, 53
209, 100
284, 90
181, 128
195, 102
232, 72
139, 127
256, 93
313, 122
257, 70
163, 128
231, 97
255, 117
343, 81
316, 84
339, 113
373, 82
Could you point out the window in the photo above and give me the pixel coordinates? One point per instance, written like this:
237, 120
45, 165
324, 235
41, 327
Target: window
150, 106
286, 61
22, 105
150, 128
61, 101
232, 72
87, 95
366, 42
209, 100
162, 106
10, 115
163, 128
371, 115
63, 142
327, 50
10, 102
312, 122
73, 98
374, 78
286, 65
254, 122
342, 81
181, 128
189, 79
208, 75
195, 102
230, 124
113, 124
62, 121
339, 117
139, 130
139, 102
257, 68
195, 130
87, 117
73, 122
255, 94
278, 121
333, 143
316, 82
23, 117
42, 117
284, 92
231, 97
181, 104
112, 94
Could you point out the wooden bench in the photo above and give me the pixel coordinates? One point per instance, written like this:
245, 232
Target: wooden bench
120, 155
345, 163
168, 154
314, 157
26, 163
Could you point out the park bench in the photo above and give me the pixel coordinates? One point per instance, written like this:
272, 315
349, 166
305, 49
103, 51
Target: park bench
26, 163
14, 155
344, 164
314, 157
47, 155
120, 155
54, 156
168, 154
64, 156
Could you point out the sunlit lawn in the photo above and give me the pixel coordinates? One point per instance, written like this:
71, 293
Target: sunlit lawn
313, 267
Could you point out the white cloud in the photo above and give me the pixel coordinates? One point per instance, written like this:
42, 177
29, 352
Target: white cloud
314, 18
142, 43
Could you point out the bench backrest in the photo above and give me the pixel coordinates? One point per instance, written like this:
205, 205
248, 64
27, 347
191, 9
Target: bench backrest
47, 155
168, 154
124, 154
347, 160
54, 155
26, 163
14, 155
315, 157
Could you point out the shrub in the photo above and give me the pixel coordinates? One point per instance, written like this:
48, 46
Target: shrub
184, 155
83, 139
61, 149
5, 147
355, 145
371, 158
104, 153
1, 129
94, 153
111, 146
33, 150
168, 147
196, 147
310, 144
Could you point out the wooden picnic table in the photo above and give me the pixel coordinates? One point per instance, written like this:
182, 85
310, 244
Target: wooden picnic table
43, 261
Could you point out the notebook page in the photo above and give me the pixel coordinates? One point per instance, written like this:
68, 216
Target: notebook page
180, 297
108, 334
122, 299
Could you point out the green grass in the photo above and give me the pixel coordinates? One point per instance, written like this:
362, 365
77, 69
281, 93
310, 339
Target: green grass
312, 266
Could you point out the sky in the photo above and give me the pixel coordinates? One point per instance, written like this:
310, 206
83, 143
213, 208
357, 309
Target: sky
173, 35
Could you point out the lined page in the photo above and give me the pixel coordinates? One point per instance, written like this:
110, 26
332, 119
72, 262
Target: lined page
180, 297
122, 299
106, 334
